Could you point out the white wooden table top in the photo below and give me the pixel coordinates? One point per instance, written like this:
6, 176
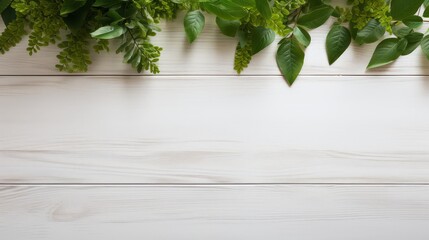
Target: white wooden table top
201, 153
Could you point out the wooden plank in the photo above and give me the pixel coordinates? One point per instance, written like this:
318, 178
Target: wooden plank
214, 130
214, 212
213, 53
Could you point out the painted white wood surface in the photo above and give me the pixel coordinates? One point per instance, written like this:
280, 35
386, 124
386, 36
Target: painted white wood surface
214, 212
214, 130
213, 54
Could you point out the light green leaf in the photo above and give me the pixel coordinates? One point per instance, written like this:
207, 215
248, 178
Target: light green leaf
425, 46
401, 9
387, 51
70, 6
264, 8
302, 36
194, 23
228, 27
316, 17
108, 32
290, 59
261, 38
413, 21
337, 41
370, 33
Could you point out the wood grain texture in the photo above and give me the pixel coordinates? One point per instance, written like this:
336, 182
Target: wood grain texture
214, 212
213, 53
214, 130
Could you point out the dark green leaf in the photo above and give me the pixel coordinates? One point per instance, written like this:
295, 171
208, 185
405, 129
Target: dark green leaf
401, 9
425, 46
401, 30
337, 41
106, 3
264, 8
70, 6
302, 36
413, 21
413, 40
76, 19
4, 4
8, 15
225, 9
261, 38
194, 23
316, 17
228, 27
370, 33
108, 32
387, 51
290, 58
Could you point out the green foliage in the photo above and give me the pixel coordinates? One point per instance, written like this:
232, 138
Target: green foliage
89, 25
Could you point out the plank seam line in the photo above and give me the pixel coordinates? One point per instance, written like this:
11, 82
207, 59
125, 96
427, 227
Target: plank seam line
215, 184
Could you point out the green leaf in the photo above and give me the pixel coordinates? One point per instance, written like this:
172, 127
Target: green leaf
290, 59
401, 9
225, 9
370, 33
228, 27
243, 3
194, 23
106, 3
108, 32
302, 36
70, 6
261, 38
76, 19
414, 39
425, 46
8, 15
264, 8
316, 17
337, 41
401, 30
413, 21
387, 51
4, 4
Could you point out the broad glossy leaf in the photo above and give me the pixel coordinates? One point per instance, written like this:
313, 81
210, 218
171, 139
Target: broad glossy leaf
316, 17
225, 9
337, 41
290, 59
228, 27
76, 19
387, 51
425, 46
4, 4
370, 33
302, 36
264, 8
414, 39
401, 9
106, 3
261, 38
401, 30
108, 32
194, 23
413, 21
70, 6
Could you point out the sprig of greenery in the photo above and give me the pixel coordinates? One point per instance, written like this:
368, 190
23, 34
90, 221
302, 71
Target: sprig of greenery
253, 23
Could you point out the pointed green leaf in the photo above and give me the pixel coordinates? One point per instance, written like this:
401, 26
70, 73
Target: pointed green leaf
387, 51
413, 40
194, 23
225, 9
302, 36
228, 27
70, 6
401, 9
413, 21
264, 8
425, 46
370, 33
290, 59
108, 32
316, 17
337, 41
261, 38
4, 4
